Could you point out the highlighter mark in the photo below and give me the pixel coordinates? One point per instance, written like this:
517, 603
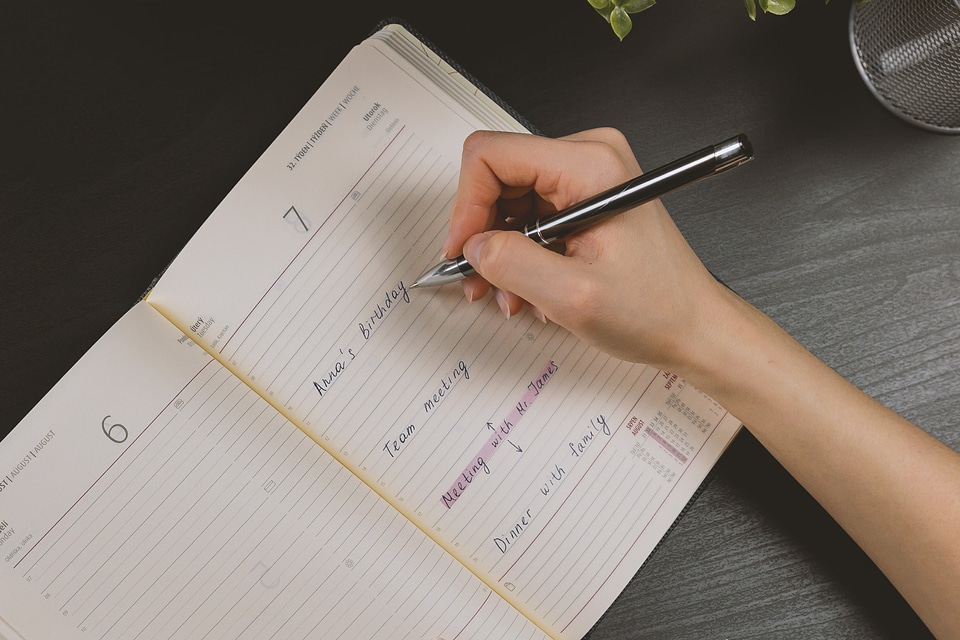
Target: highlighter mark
672, 450
479, 462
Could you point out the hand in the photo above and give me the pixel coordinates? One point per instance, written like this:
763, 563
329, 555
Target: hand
631, 286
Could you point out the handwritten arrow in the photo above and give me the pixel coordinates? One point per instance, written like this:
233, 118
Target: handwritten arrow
492, 428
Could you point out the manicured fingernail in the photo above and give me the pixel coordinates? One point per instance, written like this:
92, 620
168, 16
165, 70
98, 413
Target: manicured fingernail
445, 249
538, 314
502, 301
469, 291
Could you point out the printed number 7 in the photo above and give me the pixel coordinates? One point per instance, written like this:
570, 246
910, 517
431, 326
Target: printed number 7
299, 222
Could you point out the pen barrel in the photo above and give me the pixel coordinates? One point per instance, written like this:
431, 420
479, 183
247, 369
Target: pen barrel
644, 188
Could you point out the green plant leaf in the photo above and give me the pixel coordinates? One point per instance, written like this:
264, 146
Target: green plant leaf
616, 12
621, 23
605, 11
636, 6
777, 7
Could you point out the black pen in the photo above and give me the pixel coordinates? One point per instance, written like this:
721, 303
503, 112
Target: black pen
706, 162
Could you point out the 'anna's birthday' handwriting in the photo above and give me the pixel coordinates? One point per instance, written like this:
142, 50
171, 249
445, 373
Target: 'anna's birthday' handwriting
372, 320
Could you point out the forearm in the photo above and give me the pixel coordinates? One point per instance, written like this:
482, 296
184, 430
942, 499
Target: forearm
894, 488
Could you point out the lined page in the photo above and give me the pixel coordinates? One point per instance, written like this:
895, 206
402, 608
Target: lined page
546, 467
153, 495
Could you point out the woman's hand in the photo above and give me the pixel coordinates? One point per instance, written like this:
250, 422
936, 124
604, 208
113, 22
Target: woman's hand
631, 286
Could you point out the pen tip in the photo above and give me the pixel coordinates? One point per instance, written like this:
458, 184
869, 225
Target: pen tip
421, 279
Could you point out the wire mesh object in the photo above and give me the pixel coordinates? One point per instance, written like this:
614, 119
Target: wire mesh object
908, 52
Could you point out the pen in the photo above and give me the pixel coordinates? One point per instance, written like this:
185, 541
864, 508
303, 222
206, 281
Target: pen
701, 164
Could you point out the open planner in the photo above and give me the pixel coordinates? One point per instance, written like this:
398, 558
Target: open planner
283, 440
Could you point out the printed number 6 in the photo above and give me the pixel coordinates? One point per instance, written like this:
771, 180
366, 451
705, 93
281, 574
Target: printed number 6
113, 430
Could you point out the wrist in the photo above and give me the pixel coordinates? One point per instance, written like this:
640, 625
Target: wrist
733, 348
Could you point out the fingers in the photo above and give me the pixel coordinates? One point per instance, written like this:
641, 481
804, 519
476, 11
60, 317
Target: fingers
515, 175
507, 179
614, 139
521, 270
630, 285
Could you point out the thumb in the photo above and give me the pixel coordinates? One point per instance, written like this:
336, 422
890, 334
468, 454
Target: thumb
513, 263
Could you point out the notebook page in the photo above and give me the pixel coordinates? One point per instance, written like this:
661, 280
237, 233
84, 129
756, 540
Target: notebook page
548, 468
153, 495
6, 633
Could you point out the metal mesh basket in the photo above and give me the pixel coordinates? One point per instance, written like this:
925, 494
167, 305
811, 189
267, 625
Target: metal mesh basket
908, 52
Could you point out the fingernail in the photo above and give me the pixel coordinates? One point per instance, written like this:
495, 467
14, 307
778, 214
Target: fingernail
469, 291
502, 301
538, 314
445, 249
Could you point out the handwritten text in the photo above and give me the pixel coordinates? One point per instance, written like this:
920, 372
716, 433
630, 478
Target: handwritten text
503, 430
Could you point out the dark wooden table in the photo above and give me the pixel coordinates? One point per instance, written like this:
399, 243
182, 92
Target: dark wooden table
124, 124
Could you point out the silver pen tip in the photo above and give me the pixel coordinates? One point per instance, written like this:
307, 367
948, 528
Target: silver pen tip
443, 273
